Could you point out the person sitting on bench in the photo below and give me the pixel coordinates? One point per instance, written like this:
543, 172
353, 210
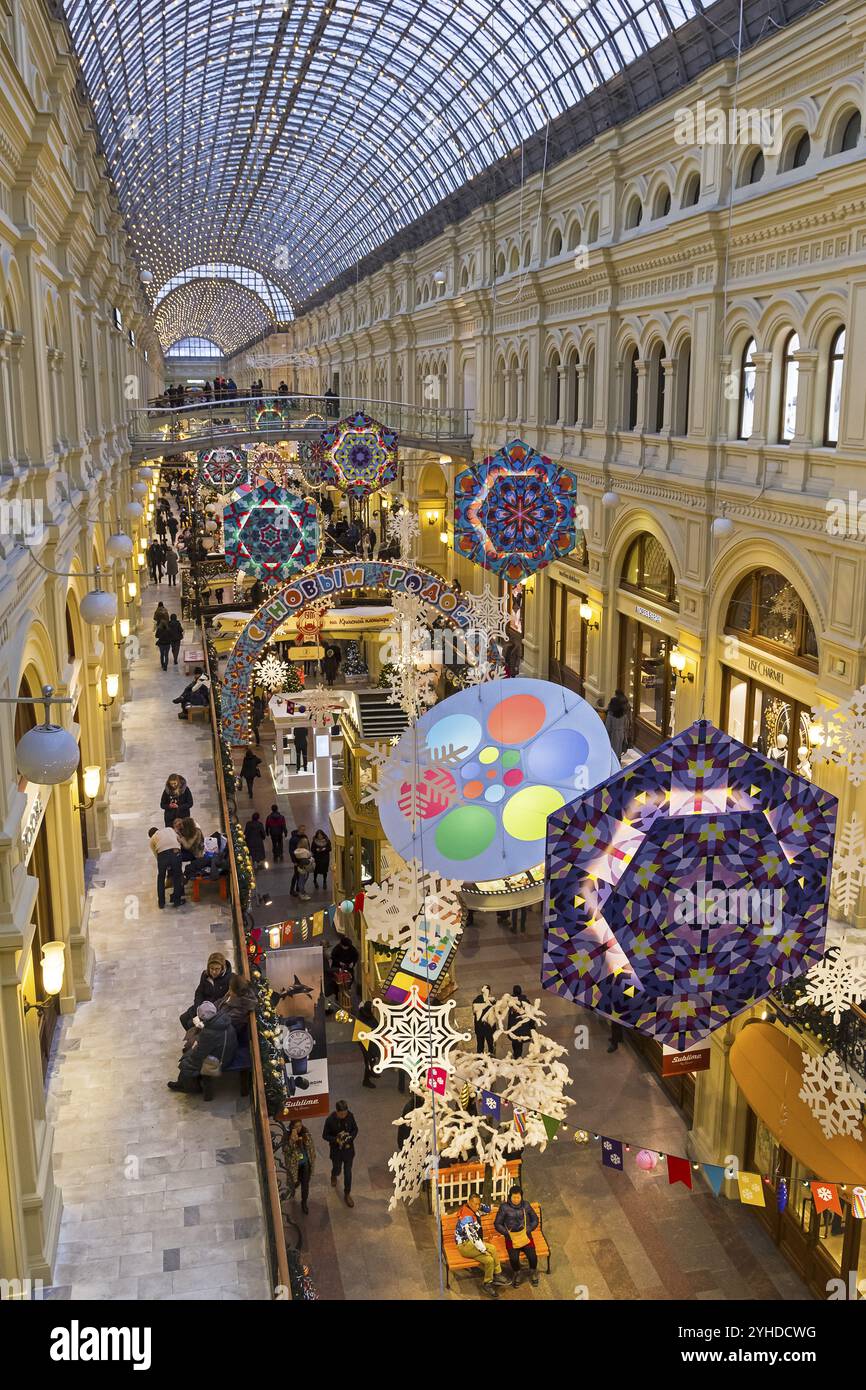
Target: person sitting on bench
196, 693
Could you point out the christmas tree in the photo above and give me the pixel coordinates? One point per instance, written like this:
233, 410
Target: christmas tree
294, 682
354, 665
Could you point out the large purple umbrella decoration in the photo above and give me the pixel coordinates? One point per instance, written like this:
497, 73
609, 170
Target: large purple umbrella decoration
359, 456
223, 469
687, 887
515, 512
271, 533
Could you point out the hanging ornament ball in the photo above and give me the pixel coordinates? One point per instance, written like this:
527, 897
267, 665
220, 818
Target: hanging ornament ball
722, 526
118, 546
134, 510
98, 608
341, 1016
47, 755
646, 1160
581, 1136
610, 499
145, 472
139, 489
347, 905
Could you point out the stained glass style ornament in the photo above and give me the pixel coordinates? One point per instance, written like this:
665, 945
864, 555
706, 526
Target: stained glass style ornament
359, 455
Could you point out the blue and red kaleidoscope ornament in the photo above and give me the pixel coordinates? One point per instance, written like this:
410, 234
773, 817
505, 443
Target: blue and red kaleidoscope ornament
223, 469
515, 512
271, 533
359, 455
686, 887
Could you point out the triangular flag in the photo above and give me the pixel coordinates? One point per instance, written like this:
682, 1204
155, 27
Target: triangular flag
550, 1125
490, 1104
715, 1176
358, 1029
520, 1122
679, 1170
611, 1153
751, 1189
318, 923
436, 1078
825, 1197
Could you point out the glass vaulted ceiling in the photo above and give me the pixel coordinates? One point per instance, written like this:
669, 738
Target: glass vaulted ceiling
295, 138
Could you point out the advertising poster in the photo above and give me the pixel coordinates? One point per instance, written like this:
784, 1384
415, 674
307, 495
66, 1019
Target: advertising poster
295, 975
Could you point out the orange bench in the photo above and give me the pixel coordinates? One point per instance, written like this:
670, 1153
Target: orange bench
200, 881
456, 1262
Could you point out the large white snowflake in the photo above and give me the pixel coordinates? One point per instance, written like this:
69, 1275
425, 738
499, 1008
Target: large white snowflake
412, 689
843, 735
849, 864
836, 982
411, 905
404, 527
271, 673
414, 1035
321, 706
832, 1095
489, 611
786, 605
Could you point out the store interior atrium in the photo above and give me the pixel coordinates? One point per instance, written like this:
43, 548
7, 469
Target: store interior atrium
433, 653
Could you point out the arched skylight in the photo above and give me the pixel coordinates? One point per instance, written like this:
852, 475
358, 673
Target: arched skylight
295, 139
221, 310
193, 347
266, 290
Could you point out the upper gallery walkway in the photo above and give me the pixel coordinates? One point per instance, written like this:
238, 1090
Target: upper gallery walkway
161, 431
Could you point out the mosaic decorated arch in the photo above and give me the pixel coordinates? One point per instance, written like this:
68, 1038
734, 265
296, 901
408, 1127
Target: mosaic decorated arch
330, 582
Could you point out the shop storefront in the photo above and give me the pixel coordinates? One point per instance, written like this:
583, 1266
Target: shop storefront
647, 634
769, 669
568, 629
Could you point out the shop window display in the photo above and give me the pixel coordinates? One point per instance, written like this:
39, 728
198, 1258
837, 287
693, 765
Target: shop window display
766, 608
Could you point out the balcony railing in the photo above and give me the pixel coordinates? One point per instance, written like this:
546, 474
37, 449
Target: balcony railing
279, 417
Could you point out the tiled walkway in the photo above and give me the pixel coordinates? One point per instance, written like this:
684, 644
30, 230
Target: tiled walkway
161, 1193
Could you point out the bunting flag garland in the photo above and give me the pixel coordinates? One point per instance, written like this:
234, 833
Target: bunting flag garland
858, 1202
436, 1078
782, 1195
715, 1176
826, 1197
611, 1153
520, 1123
751, 1189
359, 1032
490, 1104
679, 1170
551, 1125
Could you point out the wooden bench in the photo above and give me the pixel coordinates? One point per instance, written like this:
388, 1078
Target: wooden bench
196, 711
456, 1262
240, 1065
202, 881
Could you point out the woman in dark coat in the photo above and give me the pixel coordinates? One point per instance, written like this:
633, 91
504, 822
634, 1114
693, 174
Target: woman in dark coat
212, 986
331, 664
163, 641
216, 1039
515, 1221
254, 834
176, 800
321, 848
250, 769
175, 632
617, 721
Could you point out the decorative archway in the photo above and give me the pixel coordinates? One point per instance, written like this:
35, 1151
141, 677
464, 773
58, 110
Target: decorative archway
327, 582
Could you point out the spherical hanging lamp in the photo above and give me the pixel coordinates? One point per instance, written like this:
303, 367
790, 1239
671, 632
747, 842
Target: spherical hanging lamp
610, 499
145, 472
139, 489
47, 754
98, 608
119, 546
722, 527
134, 510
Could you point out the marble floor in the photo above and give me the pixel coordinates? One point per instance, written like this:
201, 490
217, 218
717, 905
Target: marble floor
160, 1190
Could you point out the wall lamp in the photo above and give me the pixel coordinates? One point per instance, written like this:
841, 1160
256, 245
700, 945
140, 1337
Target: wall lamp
678, 662
123, 625
432, 518
92, 781
53, 969
586, 614
112, 685
443, 536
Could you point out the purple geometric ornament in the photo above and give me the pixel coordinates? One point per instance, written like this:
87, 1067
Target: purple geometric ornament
687, 887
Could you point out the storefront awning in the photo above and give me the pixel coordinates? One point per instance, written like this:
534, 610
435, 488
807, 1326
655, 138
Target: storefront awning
766, 1066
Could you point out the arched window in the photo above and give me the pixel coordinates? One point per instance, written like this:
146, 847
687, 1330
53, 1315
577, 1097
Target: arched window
592, 230
631, 389
662, 203
753, 169
746, 409
658, 386
70, 636
790, 386
556, 242
692, 191
800, 148
647, 569
684, 386
514, 259
554, 391
500, 264
574, 236
847, 133
589, 388
574, 386
835, 369
766, 608
634, 214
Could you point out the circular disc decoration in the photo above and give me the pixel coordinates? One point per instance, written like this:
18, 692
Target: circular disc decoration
359, 455
489, 765
515, 512
270, 533
223, 469
687, 887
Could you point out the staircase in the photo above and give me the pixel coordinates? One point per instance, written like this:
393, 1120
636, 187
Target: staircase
378, 718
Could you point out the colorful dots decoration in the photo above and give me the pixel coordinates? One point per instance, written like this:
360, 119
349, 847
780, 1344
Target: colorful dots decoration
496, 820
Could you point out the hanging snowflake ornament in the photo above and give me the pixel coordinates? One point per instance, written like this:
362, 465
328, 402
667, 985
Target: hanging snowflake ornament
785, 605
320, 706
849, 865
832, 1095
477, 672
837, 982
271, 672
841, 736
417, 775
489, 612
403, 528
414, 1035
412, 689
409, 904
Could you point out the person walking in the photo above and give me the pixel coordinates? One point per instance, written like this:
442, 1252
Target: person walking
257, 714
175, 632
482, 1019
300, 1160
171, 565
518, 1021
250, 769
254, 834
151, 554
300, 734
166, 850
616, 1036
321, 848
176, 799
276, 827
617, 721
163, 642
515, 1221
298, 840
340, 1132
172, 524
331, 664
160, 615
469, 1239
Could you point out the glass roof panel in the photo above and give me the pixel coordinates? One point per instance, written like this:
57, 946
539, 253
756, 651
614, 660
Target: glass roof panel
290, 140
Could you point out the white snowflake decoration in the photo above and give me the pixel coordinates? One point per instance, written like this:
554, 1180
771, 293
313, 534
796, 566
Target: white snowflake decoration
843, 736
410, 909
414, 1035
271, 672
401, 774
849, 865
412, 689
837, 982
404, 528
832, 1095
489, 611
786, 605
320, 706
479, 672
